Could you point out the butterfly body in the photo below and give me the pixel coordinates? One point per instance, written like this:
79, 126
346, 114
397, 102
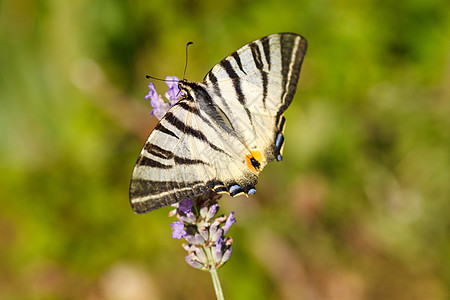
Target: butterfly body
225, 130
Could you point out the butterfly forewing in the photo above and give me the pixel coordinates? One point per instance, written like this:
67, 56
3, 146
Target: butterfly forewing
227, 128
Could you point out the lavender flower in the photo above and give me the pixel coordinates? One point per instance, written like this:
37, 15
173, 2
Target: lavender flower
193, 262
208, 246
185, 206
230, 221
178, 230
160, 107
173, 93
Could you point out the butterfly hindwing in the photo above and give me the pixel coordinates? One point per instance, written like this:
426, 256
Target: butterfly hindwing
225, 130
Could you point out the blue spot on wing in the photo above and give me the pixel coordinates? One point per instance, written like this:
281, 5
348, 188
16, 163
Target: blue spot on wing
235, 189
279, 141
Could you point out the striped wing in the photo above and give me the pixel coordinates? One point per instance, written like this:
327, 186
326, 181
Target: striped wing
184, 157
255, 85
225, 131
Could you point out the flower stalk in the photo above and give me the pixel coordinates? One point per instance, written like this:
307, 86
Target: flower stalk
208, 246
216, 282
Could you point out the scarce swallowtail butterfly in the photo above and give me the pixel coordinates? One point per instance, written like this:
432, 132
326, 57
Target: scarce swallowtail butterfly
224, 130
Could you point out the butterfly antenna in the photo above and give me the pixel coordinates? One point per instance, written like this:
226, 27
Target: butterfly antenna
166, 80
185, 65
151, 77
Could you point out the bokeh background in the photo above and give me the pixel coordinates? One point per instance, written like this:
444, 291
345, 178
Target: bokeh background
358, 209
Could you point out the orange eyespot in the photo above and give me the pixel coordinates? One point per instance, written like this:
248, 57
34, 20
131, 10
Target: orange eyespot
253, 160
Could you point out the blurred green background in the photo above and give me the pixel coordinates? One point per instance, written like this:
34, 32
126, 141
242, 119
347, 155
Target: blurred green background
358, 209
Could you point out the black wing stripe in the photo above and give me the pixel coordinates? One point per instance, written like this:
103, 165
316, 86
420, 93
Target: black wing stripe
181, 126
213, 80
187, 107
286, 57
229, 69
290, 66
165, 154
237, 86
158, 151
266, 48
174, 121
187, 161
148, 162
282, 124
256, 56
236, 57
219, 189
163, 129
256, 53
265, 82
214, 112
143, 187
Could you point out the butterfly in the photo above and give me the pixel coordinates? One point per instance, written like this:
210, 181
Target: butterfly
224, 130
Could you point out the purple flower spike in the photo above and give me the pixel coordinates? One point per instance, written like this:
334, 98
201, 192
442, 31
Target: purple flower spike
219, 233
201, 256
195, 239
185, 206
160, 107
204, 233
190, 239
193, 263
178, 230
228, 223
227, 255
189, 218
152, 94
208, 247
173, 94
218, 250
213, 230
212, 211
198, 239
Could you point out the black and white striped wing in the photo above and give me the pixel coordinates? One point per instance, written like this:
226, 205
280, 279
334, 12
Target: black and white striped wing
225, 131
184, 157
254, 86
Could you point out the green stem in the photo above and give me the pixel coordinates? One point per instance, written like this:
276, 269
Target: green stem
214, 276
216, 282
